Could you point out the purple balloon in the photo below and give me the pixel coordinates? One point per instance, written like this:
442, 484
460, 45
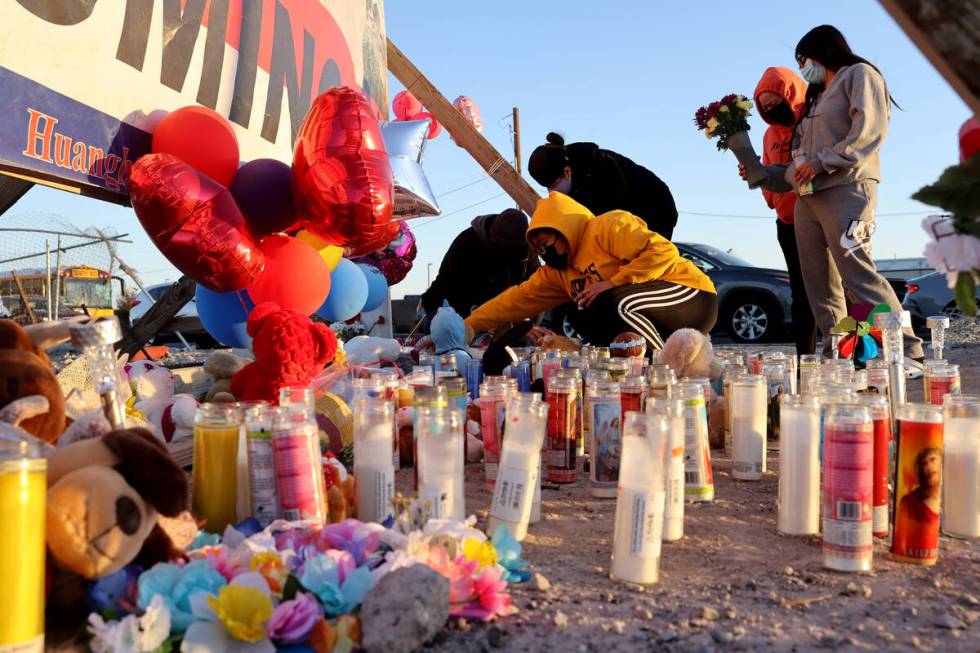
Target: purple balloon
262, 190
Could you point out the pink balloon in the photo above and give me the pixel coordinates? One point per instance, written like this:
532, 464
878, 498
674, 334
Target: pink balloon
468, 108
405, 106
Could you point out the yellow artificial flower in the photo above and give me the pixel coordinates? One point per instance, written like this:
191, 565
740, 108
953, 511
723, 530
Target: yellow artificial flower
243, 611
708, 134
744, 104
272, 569
713, 124
481, 552
348, 634
723, 108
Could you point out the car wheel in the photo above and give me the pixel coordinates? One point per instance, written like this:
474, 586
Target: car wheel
750, 319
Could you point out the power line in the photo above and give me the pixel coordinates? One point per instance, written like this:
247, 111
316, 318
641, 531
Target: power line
773, 215
467, 185
416, 227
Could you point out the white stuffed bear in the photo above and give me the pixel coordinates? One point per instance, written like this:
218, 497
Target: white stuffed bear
362, 350
149, 381
173, 419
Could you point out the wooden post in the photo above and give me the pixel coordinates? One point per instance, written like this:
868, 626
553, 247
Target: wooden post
159, 315
517, 140
465, 135
23, 298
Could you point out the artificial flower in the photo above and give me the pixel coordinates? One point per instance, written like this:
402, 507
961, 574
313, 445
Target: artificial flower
492, 599
132, 634
459, 571
357, 538
204, 539
292, 620
744, 104
117, 593
271, 567
394, 560
220, 558
713, 124
481, 552
323, 636
348, 629
233, 621
177, 585
723, 109
339, 586
509, 556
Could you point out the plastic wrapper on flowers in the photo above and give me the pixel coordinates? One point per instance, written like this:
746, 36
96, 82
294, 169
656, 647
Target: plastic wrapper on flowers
288, 585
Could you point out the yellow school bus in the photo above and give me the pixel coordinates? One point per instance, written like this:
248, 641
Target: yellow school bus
82, 287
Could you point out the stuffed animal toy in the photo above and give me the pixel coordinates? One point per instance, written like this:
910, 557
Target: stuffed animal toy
290, 350
689, 353
341, 497
149, 381
222, 366
627, 345
104, 496
173, 418
361, 350
25, 370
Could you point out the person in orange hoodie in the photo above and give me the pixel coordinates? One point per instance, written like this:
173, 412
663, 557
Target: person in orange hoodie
779, 98
623, 277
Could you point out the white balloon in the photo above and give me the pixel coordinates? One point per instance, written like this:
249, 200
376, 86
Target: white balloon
405, 142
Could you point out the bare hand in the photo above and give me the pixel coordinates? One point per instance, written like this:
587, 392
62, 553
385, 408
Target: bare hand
425, 343
741, 171
587, 296
804, 173
539, 333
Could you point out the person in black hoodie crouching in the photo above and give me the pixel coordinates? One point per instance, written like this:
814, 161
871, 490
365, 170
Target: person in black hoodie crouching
604, 181
485, 259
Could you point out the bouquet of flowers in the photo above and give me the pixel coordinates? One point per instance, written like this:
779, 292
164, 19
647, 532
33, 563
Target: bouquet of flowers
728, 121
722, 119
258, 591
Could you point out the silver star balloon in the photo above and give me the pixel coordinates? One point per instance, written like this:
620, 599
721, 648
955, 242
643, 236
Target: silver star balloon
405, 142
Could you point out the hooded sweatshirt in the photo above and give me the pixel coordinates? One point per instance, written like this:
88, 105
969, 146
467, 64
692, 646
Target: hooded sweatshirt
777, 144
615, 246
449, 334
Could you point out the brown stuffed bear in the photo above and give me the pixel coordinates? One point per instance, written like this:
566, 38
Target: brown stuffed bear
25, 370
104, 497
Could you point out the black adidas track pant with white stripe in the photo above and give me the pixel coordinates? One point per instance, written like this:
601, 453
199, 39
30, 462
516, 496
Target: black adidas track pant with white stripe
654, 309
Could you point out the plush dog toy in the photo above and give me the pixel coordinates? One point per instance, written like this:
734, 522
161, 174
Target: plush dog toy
25, 370
290, 350
689, 353
104, 496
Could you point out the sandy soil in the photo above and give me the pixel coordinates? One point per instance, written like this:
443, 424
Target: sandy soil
733, 583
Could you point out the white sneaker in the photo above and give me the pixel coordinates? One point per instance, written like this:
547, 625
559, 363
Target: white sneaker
913, 369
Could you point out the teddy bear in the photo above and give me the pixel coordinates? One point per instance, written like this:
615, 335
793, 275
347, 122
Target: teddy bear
104, 499
290, 350
689, 353
25, 370
222, 366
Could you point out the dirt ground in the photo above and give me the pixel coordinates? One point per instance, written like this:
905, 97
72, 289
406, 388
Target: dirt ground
732, 583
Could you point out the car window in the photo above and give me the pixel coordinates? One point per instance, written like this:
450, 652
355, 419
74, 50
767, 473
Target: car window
698, 261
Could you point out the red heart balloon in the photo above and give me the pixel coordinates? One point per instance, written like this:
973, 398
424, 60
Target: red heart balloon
195, 222
342, 180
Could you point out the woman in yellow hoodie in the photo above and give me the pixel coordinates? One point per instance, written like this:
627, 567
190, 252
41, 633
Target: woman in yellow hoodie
622, 275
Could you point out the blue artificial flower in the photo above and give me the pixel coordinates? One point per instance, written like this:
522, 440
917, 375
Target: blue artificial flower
176, 585
203, 539
322, 576
116, 592
509, 557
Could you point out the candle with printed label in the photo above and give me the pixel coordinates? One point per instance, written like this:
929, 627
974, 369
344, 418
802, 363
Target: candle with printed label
299, 471
492, 402
215, 469
848, 464
918, 484
374, 473
641, 496
441, 433
673, 410
881, 417
748, 427
939, 381
699, 484
606, 443
520, 463
561, 445
809, 365
261, 469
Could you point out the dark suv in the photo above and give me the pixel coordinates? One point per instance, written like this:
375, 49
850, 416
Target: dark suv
753, 302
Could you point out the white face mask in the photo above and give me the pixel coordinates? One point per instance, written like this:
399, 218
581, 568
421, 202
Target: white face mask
564, 185
813, 72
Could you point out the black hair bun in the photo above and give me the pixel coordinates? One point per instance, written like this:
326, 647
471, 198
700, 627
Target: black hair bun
555, 139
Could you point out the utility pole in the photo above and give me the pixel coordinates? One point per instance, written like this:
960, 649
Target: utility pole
517, 143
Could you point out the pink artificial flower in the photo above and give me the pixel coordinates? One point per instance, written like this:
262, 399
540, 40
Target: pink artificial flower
492, 599
459, 572
218, 556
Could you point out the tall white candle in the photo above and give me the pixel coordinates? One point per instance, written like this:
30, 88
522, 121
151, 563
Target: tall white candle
640, 501
520, 463
961, 466
374, 473
673, 409
799, 466
440, 438
748, 427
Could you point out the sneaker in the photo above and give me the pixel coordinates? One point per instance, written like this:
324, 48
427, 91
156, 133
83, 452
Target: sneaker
913, 368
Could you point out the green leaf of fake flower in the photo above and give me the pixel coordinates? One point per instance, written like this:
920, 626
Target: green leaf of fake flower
957, 190
846, 325
965, 292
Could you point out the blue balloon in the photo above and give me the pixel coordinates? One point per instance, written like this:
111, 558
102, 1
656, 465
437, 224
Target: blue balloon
377, 286
348, 292
223, 315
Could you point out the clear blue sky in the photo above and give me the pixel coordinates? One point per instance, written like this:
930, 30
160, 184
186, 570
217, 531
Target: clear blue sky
629, 75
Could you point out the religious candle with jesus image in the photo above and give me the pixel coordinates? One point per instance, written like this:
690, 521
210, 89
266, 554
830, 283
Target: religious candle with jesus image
918, 484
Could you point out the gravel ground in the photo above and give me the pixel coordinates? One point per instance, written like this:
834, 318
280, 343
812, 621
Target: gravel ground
733, 582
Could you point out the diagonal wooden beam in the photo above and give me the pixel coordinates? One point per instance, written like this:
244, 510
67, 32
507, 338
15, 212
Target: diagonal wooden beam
11, 190
465, 135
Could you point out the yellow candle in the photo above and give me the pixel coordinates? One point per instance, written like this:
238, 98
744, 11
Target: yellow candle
23, 489
215, 481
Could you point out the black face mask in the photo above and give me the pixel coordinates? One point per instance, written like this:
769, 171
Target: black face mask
553, 259
781, 114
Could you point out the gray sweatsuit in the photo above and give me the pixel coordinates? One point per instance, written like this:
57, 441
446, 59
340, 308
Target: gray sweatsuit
841, 138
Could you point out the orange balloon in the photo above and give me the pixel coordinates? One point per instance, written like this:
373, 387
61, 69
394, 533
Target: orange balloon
295, 275
201, 138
